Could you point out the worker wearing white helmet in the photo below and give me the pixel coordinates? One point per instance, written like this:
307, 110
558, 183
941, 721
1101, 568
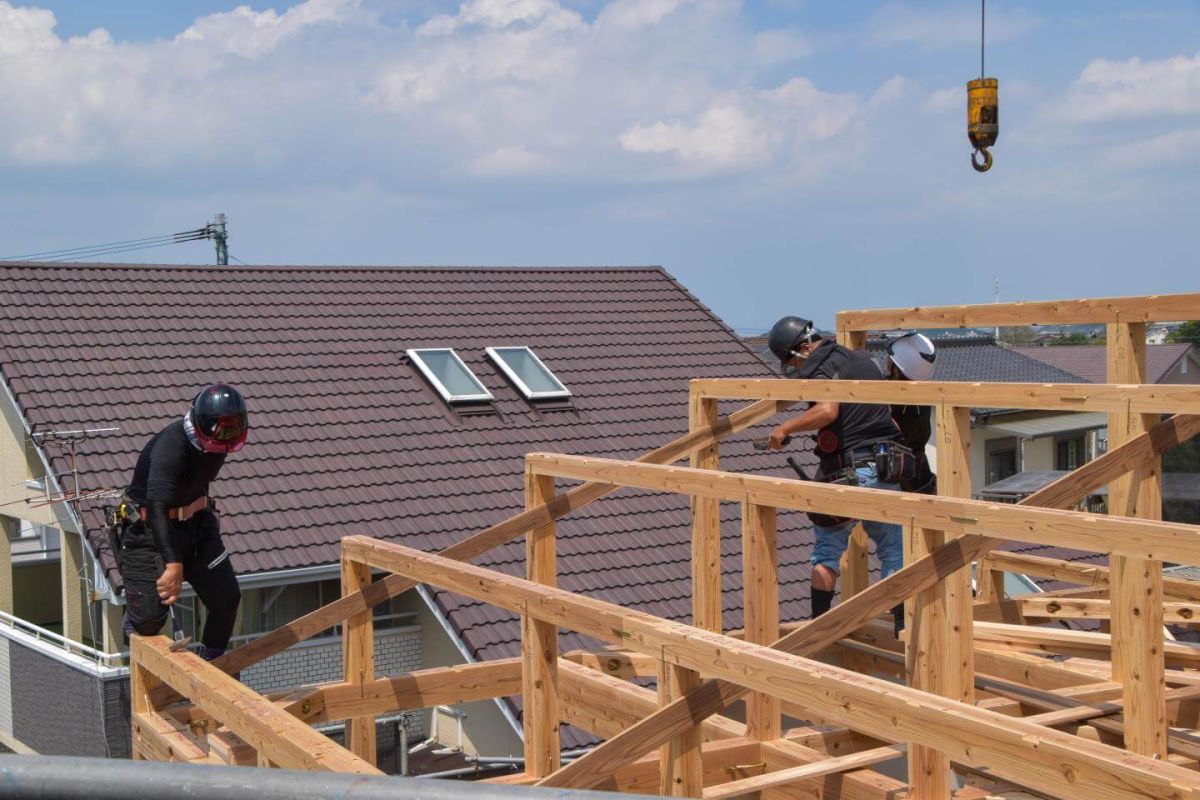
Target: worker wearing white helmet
913, 354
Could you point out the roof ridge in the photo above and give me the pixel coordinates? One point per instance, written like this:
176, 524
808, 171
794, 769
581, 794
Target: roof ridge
332, 268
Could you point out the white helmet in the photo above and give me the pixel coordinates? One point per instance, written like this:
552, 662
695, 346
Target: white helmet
914, 355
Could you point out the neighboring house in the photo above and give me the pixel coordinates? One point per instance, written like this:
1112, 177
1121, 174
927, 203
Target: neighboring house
1165, 363
349, 436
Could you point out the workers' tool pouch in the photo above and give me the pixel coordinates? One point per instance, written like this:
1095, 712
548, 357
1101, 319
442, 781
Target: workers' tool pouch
842, 477
894, 463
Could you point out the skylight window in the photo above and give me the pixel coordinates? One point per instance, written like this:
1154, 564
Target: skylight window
527, 372
453, 379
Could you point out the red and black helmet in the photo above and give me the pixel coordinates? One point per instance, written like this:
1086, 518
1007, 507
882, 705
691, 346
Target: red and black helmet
219, 418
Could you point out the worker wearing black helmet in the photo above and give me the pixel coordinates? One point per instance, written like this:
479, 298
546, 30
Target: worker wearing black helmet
171, 532
848, 436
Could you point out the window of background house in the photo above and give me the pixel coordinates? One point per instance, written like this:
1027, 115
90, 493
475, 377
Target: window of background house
447, 373
1069, 453
1001, 459
527, 372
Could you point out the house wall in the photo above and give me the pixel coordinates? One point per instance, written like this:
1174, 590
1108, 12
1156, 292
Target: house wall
36, 594
486, 731
1186, 371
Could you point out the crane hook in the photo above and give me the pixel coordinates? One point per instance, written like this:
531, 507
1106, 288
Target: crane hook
987, 160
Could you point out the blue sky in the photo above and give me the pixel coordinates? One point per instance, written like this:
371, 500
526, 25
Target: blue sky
778, 156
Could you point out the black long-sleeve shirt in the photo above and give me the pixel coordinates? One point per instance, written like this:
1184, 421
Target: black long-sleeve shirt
171, 472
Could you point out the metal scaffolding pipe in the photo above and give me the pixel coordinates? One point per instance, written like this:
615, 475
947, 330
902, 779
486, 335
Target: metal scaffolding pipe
70, 778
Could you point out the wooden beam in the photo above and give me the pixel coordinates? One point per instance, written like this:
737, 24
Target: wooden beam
956, 516
358, 659
939, 654
760, 588
486, 540
819, 769
1112, 397
854, 570
618, 663
1136, 580
539, 642
1096, 608
815, 635
607, 706
706, 525
278, 735
1148, 308
1094, 575
427, 688
1059, 764
681, 765
1062, 641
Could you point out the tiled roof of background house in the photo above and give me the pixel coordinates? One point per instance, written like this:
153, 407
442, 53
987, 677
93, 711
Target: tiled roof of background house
346, 436
1090, 361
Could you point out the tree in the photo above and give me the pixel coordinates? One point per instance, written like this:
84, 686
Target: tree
1188, 332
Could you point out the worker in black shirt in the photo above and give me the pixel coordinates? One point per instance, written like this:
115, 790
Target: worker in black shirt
847, 437
911, 357
172, 533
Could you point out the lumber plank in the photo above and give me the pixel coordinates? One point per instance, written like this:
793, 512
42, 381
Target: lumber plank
760, 587
1111, 397
1136, 580
1060, 764
813, 636
954, 516
427, 688
1062, 641
157, 737
606, 706
1146, 308
819, 769
539, 642
681, 765
358, 658
706, 524
271, 731
486, 540
1089, 575
1097, 608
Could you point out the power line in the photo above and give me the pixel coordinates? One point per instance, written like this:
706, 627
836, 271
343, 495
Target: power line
214, 230
116, 250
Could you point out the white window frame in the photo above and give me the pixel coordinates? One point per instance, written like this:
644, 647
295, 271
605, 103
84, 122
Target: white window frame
435, 381
497, 359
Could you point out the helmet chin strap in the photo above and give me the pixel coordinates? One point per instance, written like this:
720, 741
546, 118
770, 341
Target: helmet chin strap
190, 430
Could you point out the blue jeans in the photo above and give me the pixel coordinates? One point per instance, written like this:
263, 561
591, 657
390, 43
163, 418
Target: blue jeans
887, 536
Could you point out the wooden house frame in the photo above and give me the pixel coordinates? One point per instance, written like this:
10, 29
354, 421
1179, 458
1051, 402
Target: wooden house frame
1113, 715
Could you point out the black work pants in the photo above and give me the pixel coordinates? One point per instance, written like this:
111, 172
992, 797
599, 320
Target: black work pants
205, 566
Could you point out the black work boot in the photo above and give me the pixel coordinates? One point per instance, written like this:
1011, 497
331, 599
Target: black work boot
821, 600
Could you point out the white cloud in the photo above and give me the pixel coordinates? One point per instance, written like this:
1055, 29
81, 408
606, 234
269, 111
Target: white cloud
1169, 148
1111, 90
249, 33
749, 129
496, 88
943, 26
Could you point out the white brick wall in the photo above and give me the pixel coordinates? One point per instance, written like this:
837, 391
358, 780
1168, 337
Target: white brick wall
397, 650
6, 722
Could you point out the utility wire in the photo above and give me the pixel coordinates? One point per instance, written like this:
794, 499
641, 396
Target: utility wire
114, 250
235, 258
113, 247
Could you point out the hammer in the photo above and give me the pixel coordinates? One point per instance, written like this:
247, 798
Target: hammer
181, 641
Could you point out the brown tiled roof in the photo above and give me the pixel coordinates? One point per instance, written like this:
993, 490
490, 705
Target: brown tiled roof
1090, 362
347, 438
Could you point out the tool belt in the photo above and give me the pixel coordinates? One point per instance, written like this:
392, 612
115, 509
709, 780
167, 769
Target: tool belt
842, 477
895, 463
178, 513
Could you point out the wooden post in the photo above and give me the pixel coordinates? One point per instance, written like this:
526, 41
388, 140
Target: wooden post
855, 571
681, 762
539, 643
358, 658
940, 649
989, 583
760, 591
141, 684
1136, 583
706, 526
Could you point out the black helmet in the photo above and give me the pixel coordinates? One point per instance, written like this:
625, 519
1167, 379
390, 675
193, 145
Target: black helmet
218, 416
786, 334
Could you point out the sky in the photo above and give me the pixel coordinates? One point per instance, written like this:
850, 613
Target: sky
777, 156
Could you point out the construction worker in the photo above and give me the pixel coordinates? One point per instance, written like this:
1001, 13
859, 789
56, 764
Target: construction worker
846, 444
172, 533
911, 357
